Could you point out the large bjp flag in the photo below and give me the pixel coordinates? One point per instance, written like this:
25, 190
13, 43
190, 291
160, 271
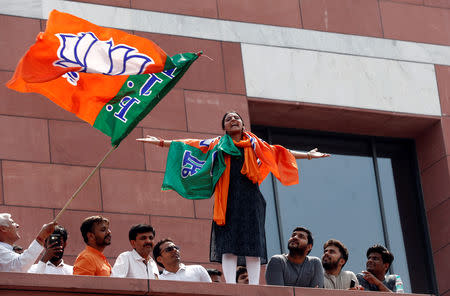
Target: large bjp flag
105, 76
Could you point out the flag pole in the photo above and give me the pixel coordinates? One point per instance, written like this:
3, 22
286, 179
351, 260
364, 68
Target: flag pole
84, 183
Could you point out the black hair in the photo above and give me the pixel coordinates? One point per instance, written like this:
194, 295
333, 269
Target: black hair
157, 250
139, 228
338, 244
386, 256
212, 271
88, 224
310, 238
225, 115
240, 270
61, 231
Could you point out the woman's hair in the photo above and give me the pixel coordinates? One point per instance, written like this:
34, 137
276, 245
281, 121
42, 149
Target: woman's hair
225, 115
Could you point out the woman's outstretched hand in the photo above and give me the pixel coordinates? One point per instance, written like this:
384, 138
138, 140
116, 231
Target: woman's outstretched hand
155, 141
149, 139
309, 155
314, 153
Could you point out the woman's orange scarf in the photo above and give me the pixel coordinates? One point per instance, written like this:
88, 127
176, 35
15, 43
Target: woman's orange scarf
273, 158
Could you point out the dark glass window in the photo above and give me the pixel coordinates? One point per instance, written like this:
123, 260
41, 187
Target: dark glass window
367, 193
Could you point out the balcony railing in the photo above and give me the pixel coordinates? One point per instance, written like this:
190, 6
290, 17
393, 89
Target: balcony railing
19, 284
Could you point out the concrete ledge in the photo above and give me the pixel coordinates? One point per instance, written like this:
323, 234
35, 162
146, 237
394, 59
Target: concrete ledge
18, 284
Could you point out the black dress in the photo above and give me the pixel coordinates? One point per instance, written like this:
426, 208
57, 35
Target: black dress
243, 233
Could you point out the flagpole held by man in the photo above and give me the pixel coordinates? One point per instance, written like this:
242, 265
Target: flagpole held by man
231, 167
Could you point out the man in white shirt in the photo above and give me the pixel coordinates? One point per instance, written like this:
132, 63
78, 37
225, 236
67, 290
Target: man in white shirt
52, 262
138, 263
335, 255
167, 255
10, 260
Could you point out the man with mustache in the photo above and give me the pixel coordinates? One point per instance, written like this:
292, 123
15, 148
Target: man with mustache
374, 278
296, 268
97, 236
167, 255
137, 263
335, 255
52, 262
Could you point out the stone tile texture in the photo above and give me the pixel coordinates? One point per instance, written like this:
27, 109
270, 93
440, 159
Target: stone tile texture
284, 13
358, 17
415, 23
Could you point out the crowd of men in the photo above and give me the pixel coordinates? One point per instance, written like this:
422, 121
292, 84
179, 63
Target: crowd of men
296, 268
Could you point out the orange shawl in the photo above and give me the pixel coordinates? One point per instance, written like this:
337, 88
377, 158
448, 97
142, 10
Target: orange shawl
273, 158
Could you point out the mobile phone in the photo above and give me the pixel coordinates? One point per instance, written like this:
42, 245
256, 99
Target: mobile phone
55, 237
352, 283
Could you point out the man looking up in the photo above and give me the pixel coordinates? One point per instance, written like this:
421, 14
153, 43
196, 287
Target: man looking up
52, 262
12, 261
167, 255
296, 268
97, 236
335, 255
137, 263
374, 278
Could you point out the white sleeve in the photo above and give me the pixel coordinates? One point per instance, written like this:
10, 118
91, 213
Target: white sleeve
37, 268
13, 262
120, 268
204, 276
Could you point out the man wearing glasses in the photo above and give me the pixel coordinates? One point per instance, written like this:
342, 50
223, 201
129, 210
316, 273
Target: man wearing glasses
167, 255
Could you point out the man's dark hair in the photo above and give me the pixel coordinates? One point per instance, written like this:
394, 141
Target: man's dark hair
212, 271
386, 256
225, 115
88, 225
240, 270
310, 238
61, 231
338, 244
157, 250
139, 228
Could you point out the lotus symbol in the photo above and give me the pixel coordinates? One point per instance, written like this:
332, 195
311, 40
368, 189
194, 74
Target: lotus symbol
85, 50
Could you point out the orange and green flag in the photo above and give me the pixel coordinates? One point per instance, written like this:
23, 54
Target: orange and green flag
108, 78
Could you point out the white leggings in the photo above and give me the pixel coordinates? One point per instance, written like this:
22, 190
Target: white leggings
229, 265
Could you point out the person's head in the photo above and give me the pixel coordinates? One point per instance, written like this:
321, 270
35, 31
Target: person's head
300, 242
215, 275
379, 259
166, 253
59, 236
241, 275
8, 229
95, 231
335, 255
141, 238
232, 123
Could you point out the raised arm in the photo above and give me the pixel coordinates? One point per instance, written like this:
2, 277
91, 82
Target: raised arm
155, 141
309, 155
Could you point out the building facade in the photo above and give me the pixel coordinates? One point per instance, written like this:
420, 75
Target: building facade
365, 80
